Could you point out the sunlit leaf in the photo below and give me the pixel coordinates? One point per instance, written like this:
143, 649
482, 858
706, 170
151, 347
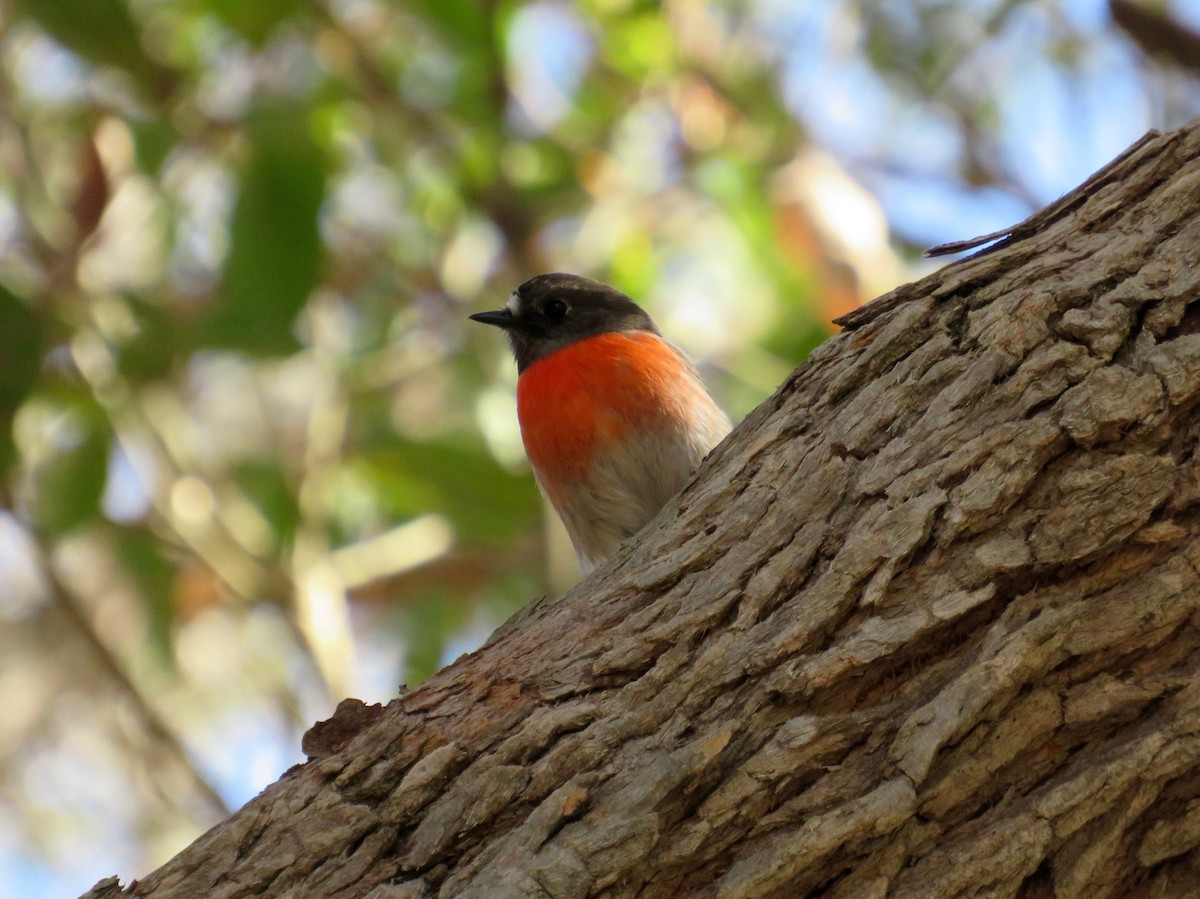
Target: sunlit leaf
275, 245
641, 46
21, 350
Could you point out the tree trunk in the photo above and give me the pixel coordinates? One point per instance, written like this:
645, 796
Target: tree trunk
925, 626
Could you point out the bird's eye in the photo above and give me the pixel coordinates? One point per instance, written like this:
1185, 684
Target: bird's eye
555, 310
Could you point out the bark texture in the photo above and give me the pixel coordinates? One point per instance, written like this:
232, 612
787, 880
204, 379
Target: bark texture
926, 626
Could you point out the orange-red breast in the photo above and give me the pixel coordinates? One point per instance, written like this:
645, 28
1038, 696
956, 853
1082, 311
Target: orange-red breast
614, 418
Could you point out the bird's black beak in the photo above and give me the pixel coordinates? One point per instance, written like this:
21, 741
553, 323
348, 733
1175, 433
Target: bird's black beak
501, 319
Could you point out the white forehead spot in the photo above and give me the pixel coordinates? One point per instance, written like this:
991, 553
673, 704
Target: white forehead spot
514, 303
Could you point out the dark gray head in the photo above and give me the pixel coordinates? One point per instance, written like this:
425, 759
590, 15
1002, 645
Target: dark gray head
553, 311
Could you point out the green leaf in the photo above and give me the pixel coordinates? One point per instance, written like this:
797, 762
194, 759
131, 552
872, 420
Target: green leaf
150, 352
641, 46
102, 32
153, 141
20, 361
469, 28
140, 554
275, 245
428, 624
482, 500
466, 23
265, 484
254, 21
69, 482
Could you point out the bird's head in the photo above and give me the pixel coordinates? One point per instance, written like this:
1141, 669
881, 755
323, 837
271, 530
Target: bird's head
550, 312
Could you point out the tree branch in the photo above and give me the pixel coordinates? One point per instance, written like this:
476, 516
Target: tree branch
926, 625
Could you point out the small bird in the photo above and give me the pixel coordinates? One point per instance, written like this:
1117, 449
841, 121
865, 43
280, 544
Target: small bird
614, 419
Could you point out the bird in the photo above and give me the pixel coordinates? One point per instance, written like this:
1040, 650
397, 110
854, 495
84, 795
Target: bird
614, 419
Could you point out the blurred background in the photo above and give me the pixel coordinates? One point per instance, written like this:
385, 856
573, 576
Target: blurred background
254, 458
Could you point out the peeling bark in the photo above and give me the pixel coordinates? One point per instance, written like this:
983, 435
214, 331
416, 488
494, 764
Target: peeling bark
926, 626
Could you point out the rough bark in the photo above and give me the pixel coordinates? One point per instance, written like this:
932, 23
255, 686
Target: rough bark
926, 626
